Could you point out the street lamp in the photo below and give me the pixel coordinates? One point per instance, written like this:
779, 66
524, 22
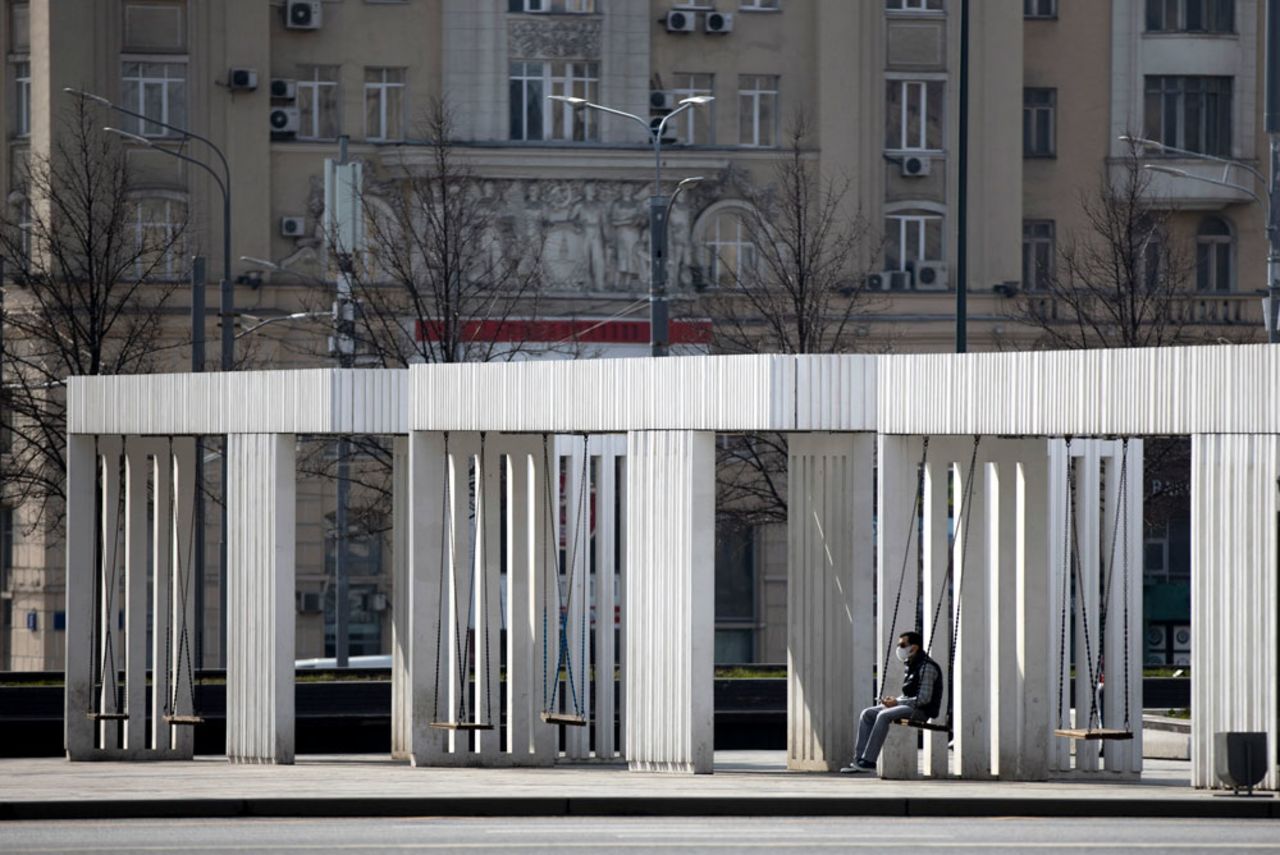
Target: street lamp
227, 312
659, 212
1270, 206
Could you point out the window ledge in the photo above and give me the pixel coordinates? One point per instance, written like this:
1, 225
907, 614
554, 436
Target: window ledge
1046, 156
1186, 34
912, 14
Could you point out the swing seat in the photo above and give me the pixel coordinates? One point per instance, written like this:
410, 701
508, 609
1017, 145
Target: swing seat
107, 716
181, 720
1096, 733
923, 725
461, 725
564, 718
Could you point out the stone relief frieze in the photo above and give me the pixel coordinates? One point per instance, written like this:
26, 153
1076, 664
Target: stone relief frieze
554, 39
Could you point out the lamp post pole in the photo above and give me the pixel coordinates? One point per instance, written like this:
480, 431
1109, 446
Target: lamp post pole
1272, 121
659, 213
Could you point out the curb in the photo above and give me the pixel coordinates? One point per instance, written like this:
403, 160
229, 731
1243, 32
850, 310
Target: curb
1261, 807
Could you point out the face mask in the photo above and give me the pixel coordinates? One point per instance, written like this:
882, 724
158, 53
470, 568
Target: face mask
904, 654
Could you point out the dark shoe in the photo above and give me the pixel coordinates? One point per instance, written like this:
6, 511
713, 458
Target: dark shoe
865, 765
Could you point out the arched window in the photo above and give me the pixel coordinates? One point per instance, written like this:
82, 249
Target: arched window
727, 248
1213, 255
158, 226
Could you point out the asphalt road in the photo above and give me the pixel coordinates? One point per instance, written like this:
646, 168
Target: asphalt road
194, 837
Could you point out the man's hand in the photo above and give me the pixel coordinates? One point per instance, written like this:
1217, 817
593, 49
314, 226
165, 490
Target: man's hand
889, 701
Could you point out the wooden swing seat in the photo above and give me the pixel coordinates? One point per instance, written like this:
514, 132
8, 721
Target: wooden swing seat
1097, 733
564, 718
923, 725
461, 725
180, 720
107, 716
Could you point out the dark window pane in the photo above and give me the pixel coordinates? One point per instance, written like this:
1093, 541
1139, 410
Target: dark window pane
1194, 15
1202, 266
1223, 272
1154, 16
517, 109
533, 115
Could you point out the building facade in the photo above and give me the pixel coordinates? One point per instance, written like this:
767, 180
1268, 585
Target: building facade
276, 84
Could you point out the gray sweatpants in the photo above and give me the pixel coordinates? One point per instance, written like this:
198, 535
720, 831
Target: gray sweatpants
873, 727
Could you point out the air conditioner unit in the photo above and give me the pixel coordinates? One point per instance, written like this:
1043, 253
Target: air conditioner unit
242, 80
681, 22
284, 120
719, 22
310, 601
293, 226
889, 280
931, 275
669, 130
302, 14
283, 89
916, 166
1181, 639
659, 100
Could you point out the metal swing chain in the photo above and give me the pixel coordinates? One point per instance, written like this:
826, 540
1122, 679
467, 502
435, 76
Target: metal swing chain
99, 532
959, 589
477, 511
906, 555
440, 601
482, 529
546, 575
1080, 592
1124, 505
579, 532
184, 642
1123, 494
108, 650
1066, 586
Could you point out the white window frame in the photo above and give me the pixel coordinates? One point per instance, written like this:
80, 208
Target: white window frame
558, 77
22, 98
1031, 272
26, 226
688, 123
912, 224
922, 81
1217, 245
382, 89
166, 84
760, 5
756, 94
1034, 9
309, 125
915, 7
170, 265
1050, 146
710, 239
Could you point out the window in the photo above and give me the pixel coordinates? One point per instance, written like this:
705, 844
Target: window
571, 7
535, 118
22, 99
758, 110
735, 593
912, 236
914, 117
318, 102
1213, 255
383, 104
1191, 16
1037, 254
25, 227
759, 5
158, 227
913, 5
1039, 122
158, 90
697, 125
1039, 8
1193, 113
728, 247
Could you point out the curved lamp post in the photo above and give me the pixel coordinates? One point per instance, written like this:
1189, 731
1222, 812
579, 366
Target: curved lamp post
659, 211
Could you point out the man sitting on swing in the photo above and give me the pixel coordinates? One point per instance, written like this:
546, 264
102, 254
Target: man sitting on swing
920, 701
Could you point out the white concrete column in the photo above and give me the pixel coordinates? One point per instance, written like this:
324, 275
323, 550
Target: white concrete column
261, 491
109, 655
1084, 540
1002, 604
82, 477
935, 562
1122, 538
544, 488
428, 571
671, 599
578, 515
1035, 665
971, 721
136, 471
1234, 591
183, 610
523, 619
1059, 614
162, 592
487, 597
897, 574
607, 454
830, 649
401, 626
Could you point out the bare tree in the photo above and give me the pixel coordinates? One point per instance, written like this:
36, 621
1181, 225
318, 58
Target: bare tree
94, 275
801, 289
1122, 281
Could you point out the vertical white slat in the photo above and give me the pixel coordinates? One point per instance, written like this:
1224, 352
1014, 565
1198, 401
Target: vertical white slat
135, 584
1088, 504
162, 526
458, 704
1060, 604
429, 650
488, 606
1035, 662
401, 630
578, 563
82, 477
606, 579
971, 718
935, 583
1131, 761
897, 575
544, 515
623, 534
1111, 630
182, 583
111, 558
1002, 600
521, 618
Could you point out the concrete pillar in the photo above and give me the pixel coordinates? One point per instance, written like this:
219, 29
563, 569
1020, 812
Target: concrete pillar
183, 609
544, 489
935, 563
1035, 665
401, 626
109, 657
1084, 540
1235, 588
261, 497
830, 646
897, 575
671, 598
82, 476
1002, 604
160, 467
608, 450
427, 571
523, 618
971, 580
136, 466
487, 597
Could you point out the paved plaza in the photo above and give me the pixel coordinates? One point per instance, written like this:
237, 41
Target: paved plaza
745, 783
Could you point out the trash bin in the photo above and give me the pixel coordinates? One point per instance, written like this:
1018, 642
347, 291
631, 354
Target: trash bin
1240, 758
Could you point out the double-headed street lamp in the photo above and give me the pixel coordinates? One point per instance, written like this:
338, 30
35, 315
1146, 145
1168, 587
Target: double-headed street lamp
227, 313
1270, 205
659, 213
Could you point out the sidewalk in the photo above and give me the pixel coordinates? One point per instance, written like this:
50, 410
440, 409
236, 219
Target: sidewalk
746, 783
